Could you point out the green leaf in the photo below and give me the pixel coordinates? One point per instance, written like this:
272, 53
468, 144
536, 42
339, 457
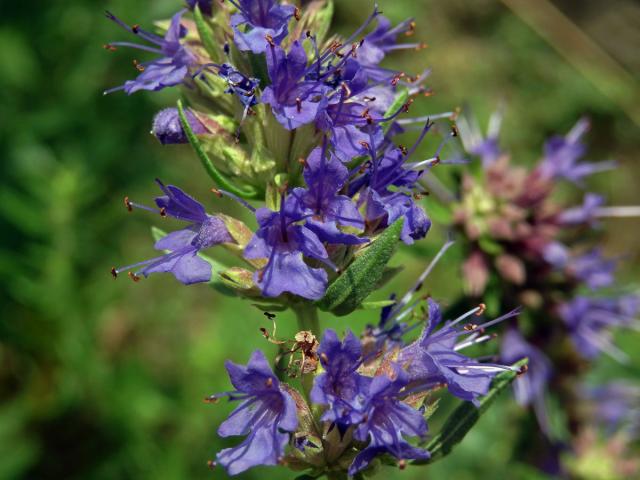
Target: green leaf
375, 305
465, 417
401, 98
206, 34
214, 173
350, 289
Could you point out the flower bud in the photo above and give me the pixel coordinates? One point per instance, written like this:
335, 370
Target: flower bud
167, 128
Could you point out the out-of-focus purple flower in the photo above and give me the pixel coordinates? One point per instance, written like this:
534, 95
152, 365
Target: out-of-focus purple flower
434, 357
617, 406
340, 387
206, 6
170, 69
529, 389
593, 269
562, 155
182, 261
285, 244
590, 321
387, 422
168, 130
260, 19
556, 254
486, 147
294, 102
584, 214
320, 203
266, 416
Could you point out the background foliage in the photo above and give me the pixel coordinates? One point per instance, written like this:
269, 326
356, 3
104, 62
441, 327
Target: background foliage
102, 379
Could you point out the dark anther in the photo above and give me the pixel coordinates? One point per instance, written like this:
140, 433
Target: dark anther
482, 307
369, 99
114, 272
422, 46
298, 104
216, 192
134, 277
428, 92
523, 369
139, 67
269, 40
324, 358
264, 332
412, 29
135, 28
211, 464
269, 382
109, 47
163, 212
308, 33
296, 14
211, 399
364, 144
302, 162
127, 204
454, 131
269, 315
403, 149
396, 78
470, 327
402, 464
406, 106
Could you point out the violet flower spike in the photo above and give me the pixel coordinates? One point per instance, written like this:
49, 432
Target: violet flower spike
266, 416
170, 69
182, 261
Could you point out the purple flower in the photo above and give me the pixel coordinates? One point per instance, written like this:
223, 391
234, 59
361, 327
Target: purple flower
562, 155
387, 421
590, 320
206, 6
320, 203
168, 130
285, 244
388, 195
617, 406
586, 213
261, 19
294, 102
383, 40
182, 261
592, 269
529, 389
266, 416
340, 387
168, 70
434, 357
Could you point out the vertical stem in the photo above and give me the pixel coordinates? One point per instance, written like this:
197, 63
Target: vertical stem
307, 316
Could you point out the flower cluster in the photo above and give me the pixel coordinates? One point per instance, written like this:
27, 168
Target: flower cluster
523, 245
307, 125
372, 394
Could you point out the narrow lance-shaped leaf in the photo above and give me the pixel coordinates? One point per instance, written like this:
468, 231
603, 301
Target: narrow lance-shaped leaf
205, 33
465, 417
216, 176
350, 289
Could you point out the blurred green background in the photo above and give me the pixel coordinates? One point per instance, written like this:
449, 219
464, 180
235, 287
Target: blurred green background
104, 379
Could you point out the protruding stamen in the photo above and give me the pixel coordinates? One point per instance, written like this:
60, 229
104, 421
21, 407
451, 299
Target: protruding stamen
114, 272
134, 277
128, 204
211, 464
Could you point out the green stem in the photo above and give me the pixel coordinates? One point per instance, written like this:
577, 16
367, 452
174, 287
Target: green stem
307, 316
